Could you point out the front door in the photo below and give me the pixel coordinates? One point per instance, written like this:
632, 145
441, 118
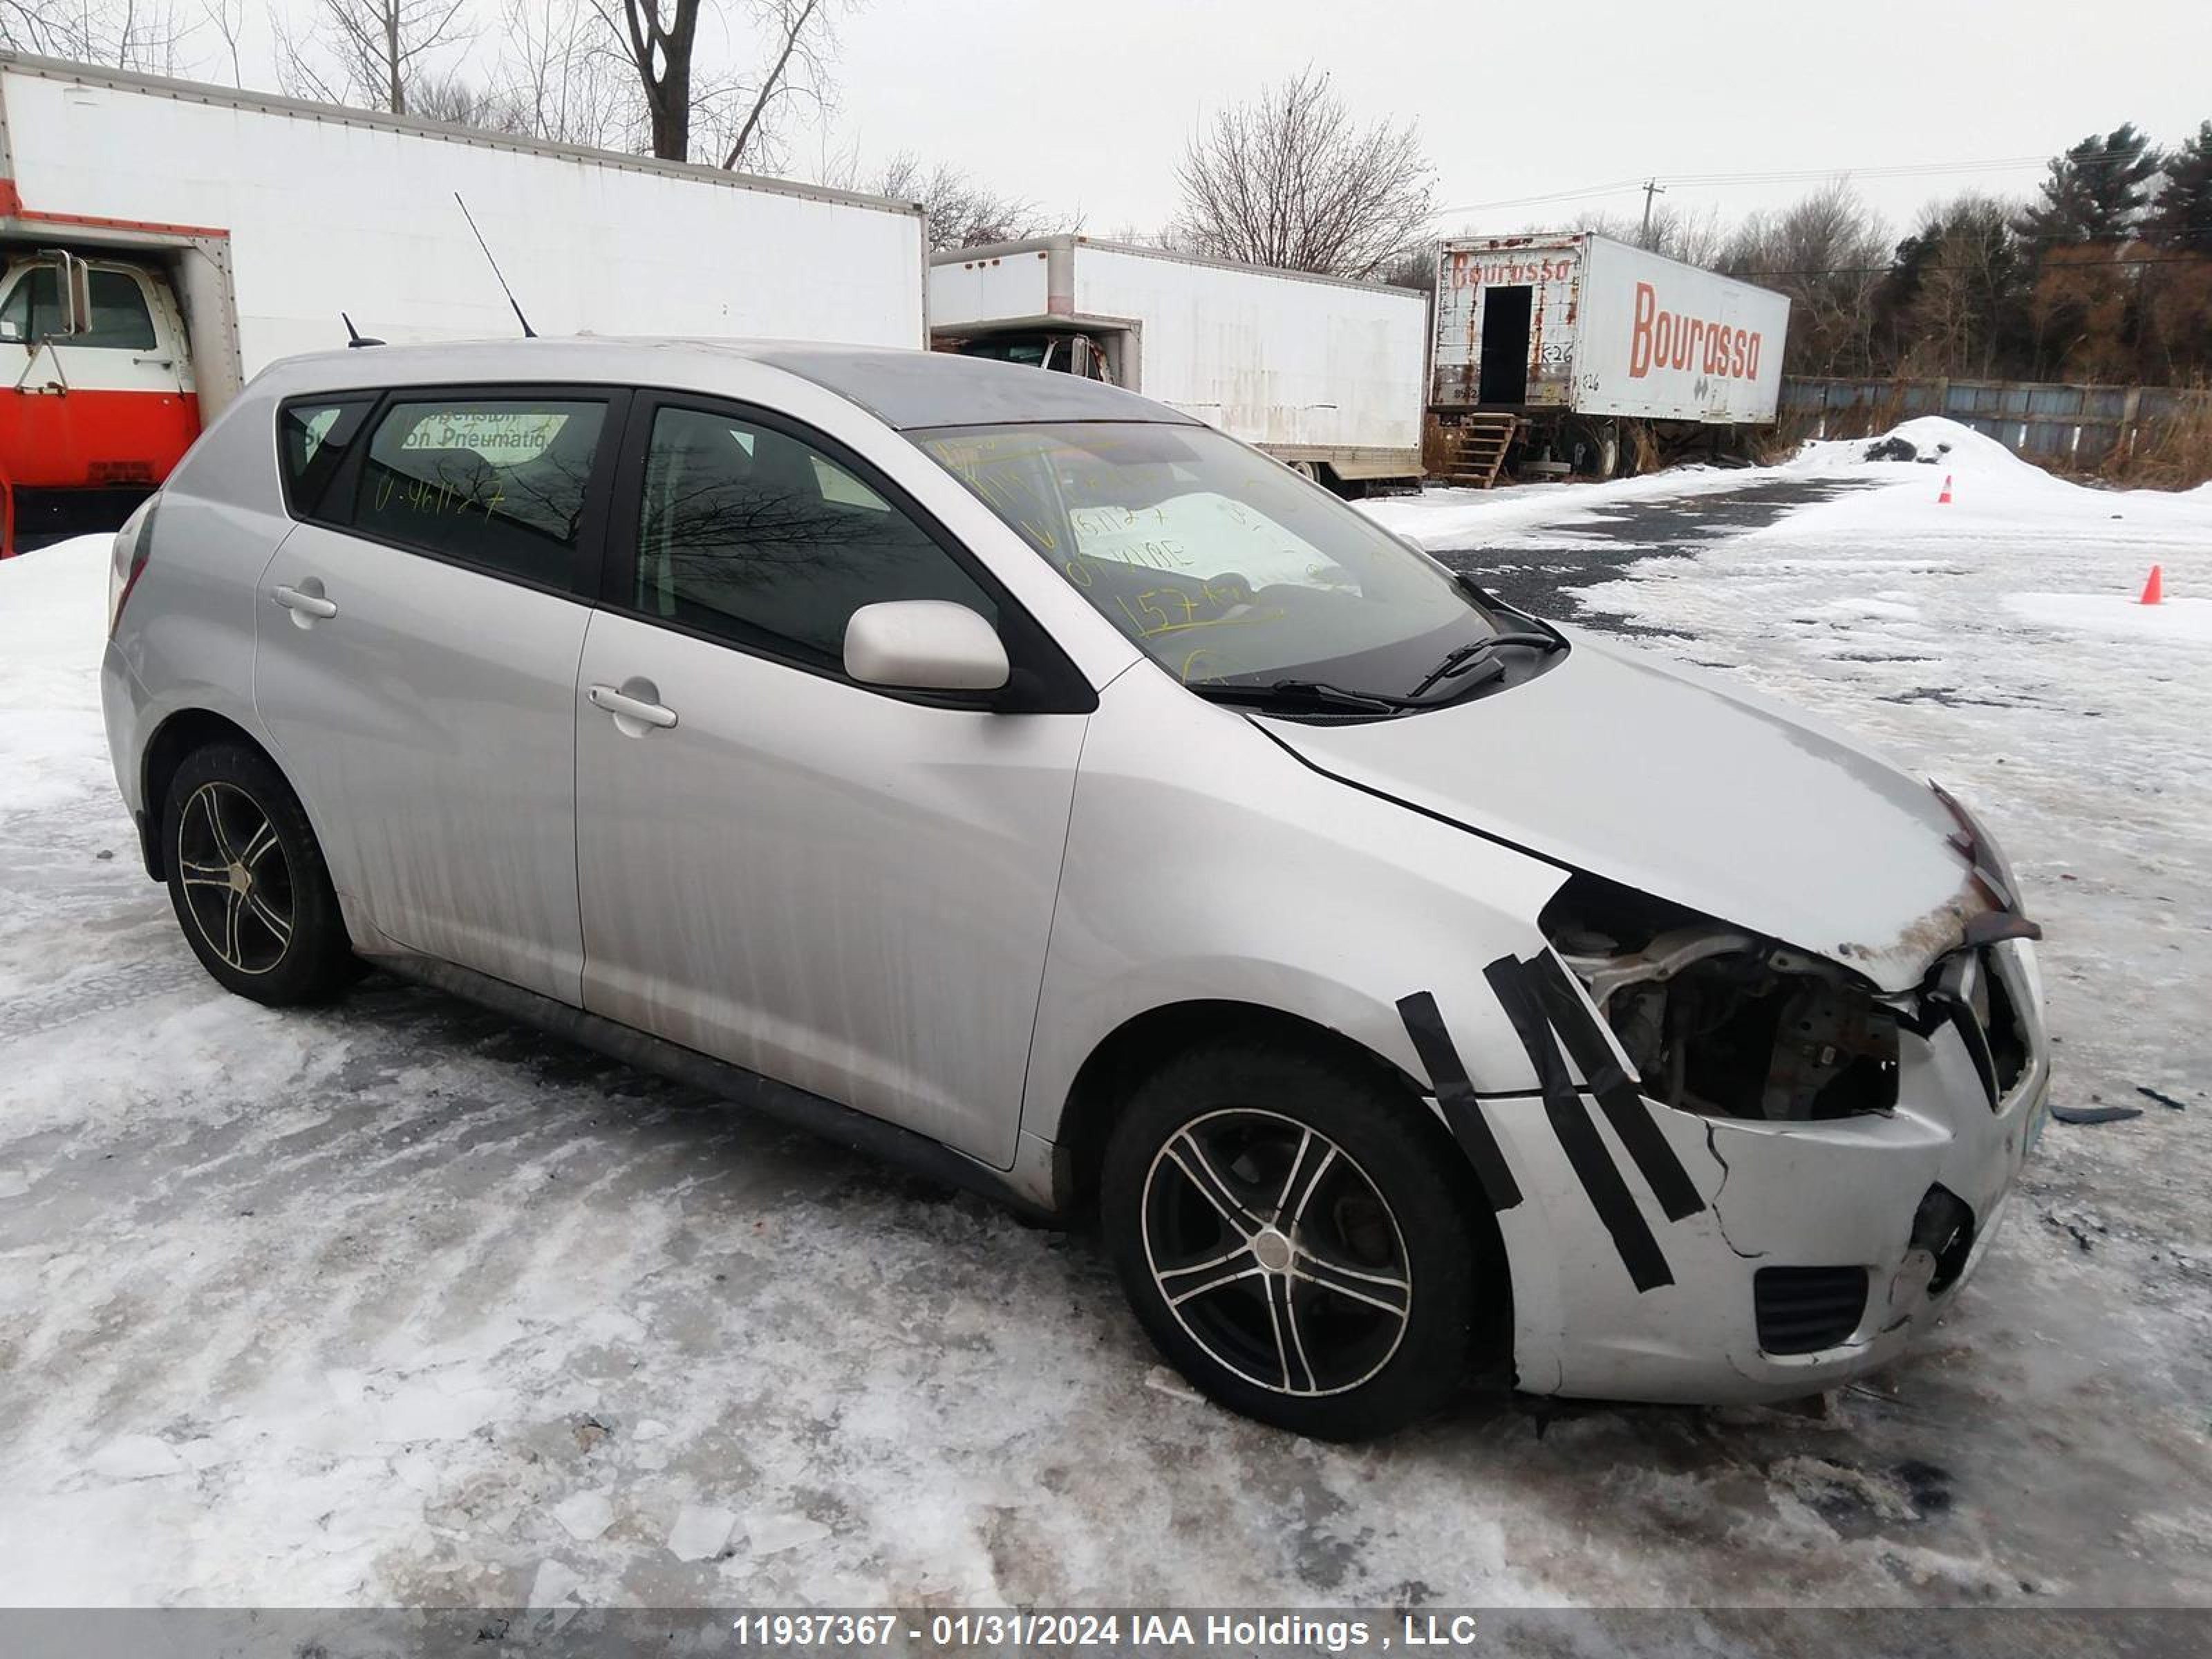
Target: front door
415, 655
847, 889
96, 381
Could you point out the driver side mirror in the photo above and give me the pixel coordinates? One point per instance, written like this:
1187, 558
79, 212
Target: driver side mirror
76, 290
924, 645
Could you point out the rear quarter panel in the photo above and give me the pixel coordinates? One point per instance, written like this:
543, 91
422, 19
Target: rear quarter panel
185, 639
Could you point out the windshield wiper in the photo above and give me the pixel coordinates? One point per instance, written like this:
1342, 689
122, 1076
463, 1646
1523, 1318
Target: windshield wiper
1317, 692
1465, 659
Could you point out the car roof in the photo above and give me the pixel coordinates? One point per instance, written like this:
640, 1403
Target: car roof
904, 389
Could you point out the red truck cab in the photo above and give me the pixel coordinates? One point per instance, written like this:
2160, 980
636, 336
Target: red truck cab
97, 400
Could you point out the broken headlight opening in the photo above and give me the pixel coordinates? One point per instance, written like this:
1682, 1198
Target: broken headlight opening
1723, 1023
1968, 993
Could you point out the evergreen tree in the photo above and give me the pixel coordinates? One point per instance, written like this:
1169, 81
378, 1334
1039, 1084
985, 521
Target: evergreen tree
2181, 216
2096, 191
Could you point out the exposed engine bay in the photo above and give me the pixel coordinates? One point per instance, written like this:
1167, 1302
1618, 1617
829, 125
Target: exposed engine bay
1721, 1022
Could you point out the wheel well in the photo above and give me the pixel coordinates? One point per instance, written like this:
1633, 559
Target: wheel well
179, 736
1122, 1061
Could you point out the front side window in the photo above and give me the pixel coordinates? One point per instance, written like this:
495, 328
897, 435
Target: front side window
498, 483
120, 320
751, 535
1223, 565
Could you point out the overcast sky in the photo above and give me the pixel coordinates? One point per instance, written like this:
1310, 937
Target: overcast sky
1085, 107
1090, 105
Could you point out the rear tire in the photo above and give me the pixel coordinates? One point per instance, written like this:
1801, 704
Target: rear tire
247, 880
1287, 1230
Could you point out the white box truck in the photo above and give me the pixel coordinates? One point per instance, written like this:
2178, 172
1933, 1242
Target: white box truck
1325, 374
1551, 349
163, 241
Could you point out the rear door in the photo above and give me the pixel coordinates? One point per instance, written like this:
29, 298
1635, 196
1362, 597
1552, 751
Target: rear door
845, 889
416, 659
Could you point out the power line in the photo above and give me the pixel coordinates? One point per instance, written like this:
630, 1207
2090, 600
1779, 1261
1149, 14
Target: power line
1901, 268
1799, 175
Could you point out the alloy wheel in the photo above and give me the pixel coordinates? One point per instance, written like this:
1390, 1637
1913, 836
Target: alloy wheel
237, 886
1276, 1252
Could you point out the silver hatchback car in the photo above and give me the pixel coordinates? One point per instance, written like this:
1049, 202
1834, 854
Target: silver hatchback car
1020, 778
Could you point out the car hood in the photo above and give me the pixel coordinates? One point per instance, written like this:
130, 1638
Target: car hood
1664, 779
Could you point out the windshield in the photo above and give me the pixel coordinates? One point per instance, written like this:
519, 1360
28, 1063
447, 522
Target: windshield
1225, 567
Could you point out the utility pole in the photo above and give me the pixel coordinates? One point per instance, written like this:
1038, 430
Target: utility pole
1652, 188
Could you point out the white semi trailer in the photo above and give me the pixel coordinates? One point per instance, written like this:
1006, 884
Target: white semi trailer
163, 241
1551, 350
1325, 374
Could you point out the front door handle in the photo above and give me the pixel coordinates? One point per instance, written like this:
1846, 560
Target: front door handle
307, 604
640, 711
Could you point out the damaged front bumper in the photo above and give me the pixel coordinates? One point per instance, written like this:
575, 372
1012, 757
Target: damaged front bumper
1819, 1245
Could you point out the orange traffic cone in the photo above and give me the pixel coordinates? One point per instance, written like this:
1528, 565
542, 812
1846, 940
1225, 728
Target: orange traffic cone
2153, 590
1944, 499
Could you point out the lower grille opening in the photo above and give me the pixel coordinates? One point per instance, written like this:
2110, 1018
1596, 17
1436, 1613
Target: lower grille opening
1805, 1310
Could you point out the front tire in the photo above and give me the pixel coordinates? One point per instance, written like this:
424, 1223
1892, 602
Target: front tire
247, 880
1287, 1232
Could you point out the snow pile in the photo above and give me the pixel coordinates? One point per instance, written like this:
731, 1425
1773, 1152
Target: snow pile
1934, 443
54, 613
1934, 439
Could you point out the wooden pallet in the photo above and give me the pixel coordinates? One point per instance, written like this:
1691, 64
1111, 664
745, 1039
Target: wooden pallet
1474, 450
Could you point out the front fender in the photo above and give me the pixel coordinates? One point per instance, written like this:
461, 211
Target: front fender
1204, 863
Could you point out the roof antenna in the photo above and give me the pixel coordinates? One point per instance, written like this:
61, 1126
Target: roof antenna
528, 332
354, 335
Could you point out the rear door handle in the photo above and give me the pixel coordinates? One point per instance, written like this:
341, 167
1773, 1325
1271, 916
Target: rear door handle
625, 707
307, 604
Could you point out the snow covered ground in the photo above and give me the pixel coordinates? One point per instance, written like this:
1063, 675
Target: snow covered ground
392, 1302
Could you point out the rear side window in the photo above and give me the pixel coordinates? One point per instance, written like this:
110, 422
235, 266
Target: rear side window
497, 483
312, 436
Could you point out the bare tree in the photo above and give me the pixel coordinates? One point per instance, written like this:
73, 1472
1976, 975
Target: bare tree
134, 35
560, 78
659, 40
1828, 253
454, 99
1292, 180
1954, 298
1414, 267
375, 52
797, 69
227, 18
657, 37
1695, 236
964, 212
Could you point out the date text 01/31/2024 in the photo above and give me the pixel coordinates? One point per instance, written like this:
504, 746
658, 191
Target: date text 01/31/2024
1121, 1630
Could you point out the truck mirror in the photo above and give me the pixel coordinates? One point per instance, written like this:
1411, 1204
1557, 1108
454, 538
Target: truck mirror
75, 286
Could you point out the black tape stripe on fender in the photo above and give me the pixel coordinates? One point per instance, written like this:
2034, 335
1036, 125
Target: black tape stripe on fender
1622, 1103
1578, 1138
1425, 1023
